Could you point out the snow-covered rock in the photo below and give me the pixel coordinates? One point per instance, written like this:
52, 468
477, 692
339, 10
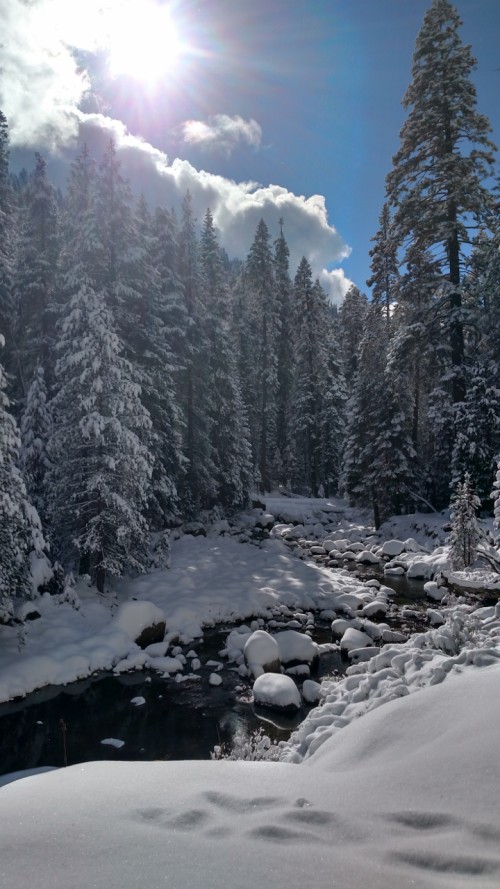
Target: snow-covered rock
278, 692
420, 570
366, 557
296, 647
360, 655
215, 679
340, 625
392, 548
311, 691
144, 622
353, 638
165, 664
377, 608
433, 591
436, 619
262, 654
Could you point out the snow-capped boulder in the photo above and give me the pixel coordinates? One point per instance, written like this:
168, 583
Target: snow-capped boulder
311, 691
317, 550
377, 608
296, 648
393, 636
360, 655
411, 545
277, 692
366, 557
348, 602
144, 622
329, 545
394, 571
262, 654
355, 639
392, 548
340, 625
165, 664
215, 679
266, 520
435, 617
420, 570
433, 591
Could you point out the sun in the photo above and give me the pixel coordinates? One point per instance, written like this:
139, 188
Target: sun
143, 41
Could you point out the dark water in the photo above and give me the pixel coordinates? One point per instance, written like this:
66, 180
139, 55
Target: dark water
178, 721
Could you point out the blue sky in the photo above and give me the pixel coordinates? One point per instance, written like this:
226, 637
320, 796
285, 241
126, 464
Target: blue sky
304, 95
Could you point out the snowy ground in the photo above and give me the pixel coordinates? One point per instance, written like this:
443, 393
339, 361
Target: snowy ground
407, 795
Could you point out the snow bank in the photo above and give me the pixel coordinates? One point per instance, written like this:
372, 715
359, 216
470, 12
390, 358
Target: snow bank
405, 796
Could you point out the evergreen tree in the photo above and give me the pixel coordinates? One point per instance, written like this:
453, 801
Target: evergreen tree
384, 266
15, 531
36, 430
477, 438
495, 496
352, 317
160, 335
102, 470
229, 430
436, 184
6, 240
100, 478
464, 537
36, 278
318, 391
283, 461
378, 451
262, 335
198, 487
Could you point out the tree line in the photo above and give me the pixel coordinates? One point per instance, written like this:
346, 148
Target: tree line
147, 378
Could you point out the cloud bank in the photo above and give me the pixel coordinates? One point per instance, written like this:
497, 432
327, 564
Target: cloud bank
42, 89
222, 133
236, 207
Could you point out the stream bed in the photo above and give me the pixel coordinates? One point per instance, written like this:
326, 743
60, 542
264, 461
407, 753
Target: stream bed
143, 716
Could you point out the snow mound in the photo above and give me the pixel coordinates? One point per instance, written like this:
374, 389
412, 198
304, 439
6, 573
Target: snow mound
280, 692
134, 617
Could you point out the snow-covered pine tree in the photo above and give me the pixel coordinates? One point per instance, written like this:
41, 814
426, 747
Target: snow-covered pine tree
384, 265
15, 537
36, 431
197, 485
229, 429
35, 279
495, 496
352, 317
102, 470
101, 467
436, 184
283, 461
260, 382
159, 344
318, 390
6, 243
378, 453
464, 536
477, 424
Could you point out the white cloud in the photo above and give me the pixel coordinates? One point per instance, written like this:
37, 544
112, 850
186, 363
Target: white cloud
39, 79
236, 207
222, 133
41, 89
335, 283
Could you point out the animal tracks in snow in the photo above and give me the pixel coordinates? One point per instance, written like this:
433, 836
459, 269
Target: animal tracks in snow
433, 825
268, 818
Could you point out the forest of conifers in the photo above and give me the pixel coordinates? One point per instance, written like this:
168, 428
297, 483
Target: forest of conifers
147, 378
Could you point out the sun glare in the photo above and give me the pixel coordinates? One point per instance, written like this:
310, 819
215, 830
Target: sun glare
143, 41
